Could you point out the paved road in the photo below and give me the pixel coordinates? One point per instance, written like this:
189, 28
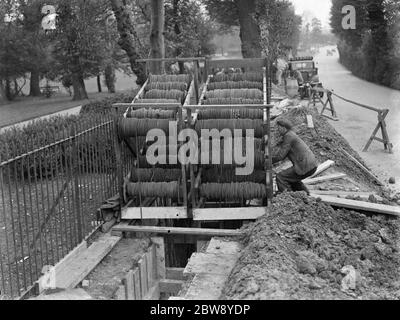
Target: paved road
356, 124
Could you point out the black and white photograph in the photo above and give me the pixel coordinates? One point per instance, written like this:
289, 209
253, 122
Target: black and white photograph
199, 155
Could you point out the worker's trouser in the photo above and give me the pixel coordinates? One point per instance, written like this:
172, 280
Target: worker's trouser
289, 180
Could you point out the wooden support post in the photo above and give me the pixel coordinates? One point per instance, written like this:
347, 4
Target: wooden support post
196, 80
382, 114
118, 155
159, 257
129, 286
267, 137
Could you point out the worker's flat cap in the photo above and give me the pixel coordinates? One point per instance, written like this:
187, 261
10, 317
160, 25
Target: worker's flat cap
285, 123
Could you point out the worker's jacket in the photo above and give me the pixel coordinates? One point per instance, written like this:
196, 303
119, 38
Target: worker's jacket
297, 151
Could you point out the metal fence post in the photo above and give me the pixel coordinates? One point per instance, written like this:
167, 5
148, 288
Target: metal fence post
75, 172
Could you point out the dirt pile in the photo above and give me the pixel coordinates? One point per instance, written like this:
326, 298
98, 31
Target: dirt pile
325, 142
303, 249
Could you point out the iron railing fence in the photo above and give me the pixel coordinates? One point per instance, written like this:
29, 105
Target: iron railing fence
49, 196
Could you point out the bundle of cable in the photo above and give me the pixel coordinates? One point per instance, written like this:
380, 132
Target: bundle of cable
228, 175
230, 114
153, 189
165, 94
155, 101
235, 93
228, 160
152, 114
164, 162
231, 101
221, 142
131, 127
170, 78
233, 191
247, 76
155, 175
235, 85
232, 124
181, 86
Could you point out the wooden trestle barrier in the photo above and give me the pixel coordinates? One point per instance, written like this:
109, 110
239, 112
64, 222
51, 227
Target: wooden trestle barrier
382, 114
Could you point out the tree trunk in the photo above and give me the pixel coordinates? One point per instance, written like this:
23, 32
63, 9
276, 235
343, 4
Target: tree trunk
110, 78
127, 39
3, 95
99, 83
249, 29
178, 31
34, 90
79, 87
8, 92
157, 36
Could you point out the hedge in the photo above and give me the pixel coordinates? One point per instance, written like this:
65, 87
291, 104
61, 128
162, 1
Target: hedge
43, 132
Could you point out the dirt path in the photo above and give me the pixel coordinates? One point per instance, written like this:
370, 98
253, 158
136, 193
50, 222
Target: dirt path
356, 124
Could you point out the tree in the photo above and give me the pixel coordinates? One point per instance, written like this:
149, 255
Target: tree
78, 47
31, 17
369, 51
189, 31
280, 27
242, 13
128, 37
157, 35
13, 50
316, 31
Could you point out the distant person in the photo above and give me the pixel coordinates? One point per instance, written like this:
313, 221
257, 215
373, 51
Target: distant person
281, 66
301, 156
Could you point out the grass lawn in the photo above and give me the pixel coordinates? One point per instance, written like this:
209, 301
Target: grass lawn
28, 108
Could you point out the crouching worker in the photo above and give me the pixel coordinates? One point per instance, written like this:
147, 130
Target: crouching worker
302, 158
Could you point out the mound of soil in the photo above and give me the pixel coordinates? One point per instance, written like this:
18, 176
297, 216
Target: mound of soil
325, 142
298, 250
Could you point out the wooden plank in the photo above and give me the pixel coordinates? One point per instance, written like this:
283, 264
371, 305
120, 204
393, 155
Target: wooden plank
322, 167
364, 196
160, 257
175, 273
48, 280
80, 267
129, 286
143, 277
346, 193
69, 258
171, 286
154, 213
229, 106
177, 230
136, 284
361, 166
141, 91
218, 214
210, 263
221, 246
360, 205
310, 121
149, 262
206, 287
330, 177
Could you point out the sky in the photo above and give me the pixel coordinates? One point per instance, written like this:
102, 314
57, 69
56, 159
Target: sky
318, 8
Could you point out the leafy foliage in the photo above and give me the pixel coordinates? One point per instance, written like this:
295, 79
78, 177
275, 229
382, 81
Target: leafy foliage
371, 51
280, 27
